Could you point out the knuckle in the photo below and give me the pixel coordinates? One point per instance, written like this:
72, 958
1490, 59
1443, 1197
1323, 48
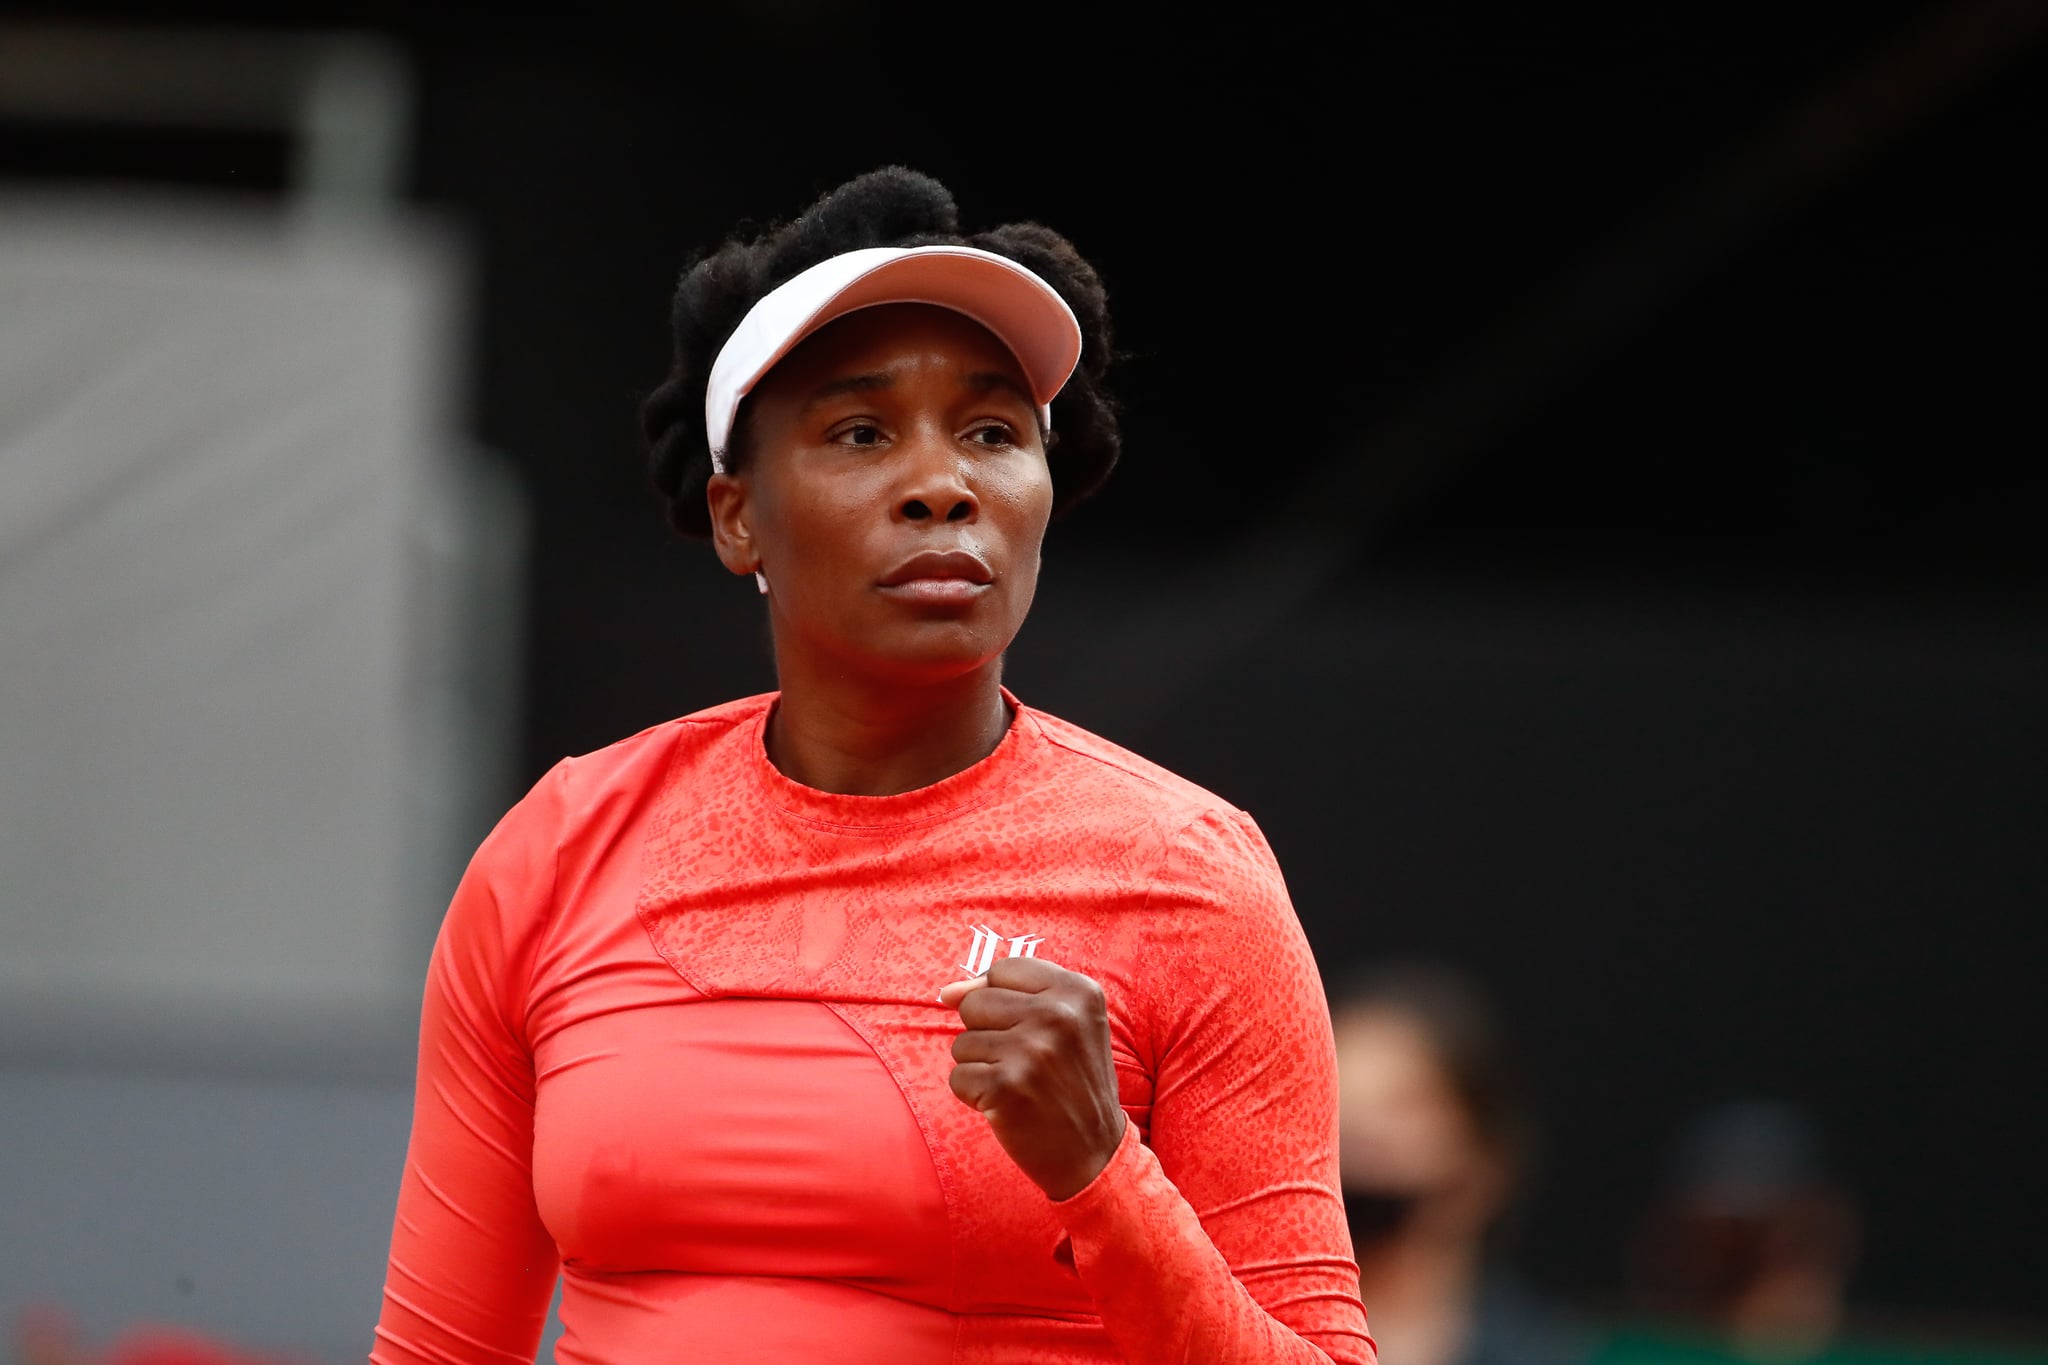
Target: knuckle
1088, 996
1040, 1051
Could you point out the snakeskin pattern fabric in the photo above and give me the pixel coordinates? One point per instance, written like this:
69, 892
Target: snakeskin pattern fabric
682, 1042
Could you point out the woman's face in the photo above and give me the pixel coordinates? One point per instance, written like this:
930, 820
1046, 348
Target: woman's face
1405, 1140
895, 494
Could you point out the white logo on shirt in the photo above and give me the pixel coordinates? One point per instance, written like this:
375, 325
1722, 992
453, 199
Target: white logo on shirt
982, 951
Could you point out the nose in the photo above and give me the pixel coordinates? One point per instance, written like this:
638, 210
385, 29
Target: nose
935, 486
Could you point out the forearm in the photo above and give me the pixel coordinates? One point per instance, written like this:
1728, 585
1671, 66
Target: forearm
1166, 1293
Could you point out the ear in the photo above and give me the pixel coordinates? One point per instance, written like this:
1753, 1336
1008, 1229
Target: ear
726, 496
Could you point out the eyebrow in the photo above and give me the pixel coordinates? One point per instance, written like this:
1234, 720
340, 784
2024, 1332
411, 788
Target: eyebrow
855, 383
981, 381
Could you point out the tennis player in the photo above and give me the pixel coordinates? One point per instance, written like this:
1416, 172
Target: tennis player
881, 1018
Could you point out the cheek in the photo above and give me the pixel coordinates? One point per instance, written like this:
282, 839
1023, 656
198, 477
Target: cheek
1019, 512
807, 524
1023, 496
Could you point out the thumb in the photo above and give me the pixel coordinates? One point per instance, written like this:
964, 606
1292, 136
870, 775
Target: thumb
953, 992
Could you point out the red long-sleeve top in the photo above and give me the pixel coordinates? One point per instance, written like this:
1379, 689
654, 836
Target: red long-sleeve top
681, 1045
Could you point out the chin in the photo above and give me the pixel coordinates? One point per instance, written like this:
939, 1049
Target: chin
939, 652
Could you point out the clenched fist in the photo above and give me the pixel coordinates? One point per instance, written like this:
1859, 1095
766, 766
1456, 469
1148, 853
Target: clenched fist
1035, 1060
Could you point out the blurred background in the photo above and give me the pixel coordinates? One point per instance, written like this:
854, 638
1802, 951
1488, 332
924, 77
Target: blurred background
1583, 495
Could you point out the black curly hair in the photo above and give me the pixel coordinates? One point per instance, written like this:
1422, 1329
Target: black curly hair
892, 206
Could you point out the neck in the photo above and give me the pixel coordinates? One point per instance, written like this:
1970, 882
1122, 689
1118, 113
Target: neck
864, 738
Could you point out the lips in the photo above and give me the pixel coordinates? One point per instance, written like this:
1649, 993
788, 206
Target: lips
962, 566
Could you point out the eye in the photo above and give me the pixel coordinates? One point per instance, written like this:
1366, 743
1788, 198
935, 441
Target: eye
859, 434
993, 434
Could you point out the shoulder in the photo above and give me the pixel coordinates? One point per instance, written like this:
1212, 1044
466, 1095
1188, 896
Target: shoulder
584, 799
587, 785
1109, 772
657, 746
583, 809
1203, 845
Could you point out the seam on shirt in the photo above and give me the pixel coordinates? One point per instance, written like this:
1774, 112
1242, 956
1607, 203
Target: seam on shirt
1186, 790
718, 722
1170, 1000
695, 718
643, 909
559, 776
891, 830
881, 832
940, 1171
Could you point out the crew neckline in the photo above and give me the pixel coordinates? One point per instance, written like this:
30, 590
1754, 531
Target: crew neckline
970, 788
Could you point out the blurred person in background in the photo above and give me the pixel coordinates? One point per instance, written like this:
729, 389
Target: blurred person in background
1434, 1142
1751, 1240
1746, 1251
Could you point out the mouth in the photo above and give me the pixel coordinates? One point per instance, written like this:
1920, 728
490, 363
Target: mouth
940, 578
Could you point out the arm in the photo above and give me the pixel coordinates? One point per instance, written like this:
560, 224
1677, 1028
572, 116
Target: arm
1225, 1239
471, 1267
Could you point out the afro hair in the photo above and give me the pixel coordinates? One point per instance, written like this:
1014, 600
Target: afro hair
892, 206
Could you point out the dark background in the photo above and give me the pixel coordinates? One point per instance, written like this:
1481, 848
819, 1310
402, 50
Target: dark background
1583, 494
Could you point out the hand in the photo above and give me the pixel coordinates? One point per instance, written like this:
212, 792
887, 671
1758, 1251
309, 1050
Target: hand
1035, 1060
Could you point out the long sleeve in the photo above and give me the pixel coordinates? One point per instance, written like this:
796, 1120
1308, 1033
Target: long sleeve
472, 1268
1225, 1239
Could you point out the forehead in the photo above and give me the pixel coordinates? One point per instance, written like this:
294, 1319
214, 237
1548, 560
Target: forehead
1383, 1052
891, 337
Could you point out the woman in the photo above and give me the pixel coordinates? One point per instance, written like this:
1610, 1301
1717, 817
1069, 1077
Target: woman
1435, 1138
883, 1018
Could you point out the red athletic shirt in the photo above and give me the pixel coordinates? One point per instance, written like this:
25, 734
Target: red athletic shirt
681, 1044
